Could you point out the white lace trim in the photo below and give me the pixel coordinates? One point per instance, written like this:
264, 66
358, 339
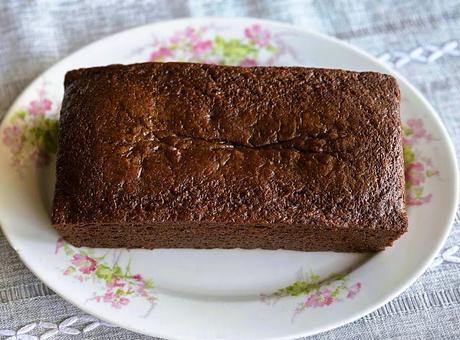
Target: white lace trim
45, 330
423, 54
447, 255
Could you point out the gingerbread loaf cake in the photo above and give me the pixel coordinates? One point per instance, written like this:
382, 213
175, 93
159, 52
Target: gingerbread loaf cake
181, 155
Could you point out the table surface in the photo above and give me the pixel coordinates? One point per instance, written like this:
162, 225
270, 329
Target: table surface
419, 38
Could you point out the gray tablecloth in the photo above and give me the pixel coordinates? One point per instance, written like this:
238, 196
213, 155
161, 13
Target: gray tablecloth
420, 38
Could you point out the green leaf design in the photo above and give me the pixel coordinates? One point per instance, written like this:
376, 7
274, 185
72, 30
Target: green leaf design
299, 287
104, 272
44, 134
117, 272
409, 155
83, 252
233, 50
315, 278
336, 291
68, 250
406, 131
21, 114
128, 269
271, 48
418, 192
314, 283
98, 258
149, 284
39, 133
71, 269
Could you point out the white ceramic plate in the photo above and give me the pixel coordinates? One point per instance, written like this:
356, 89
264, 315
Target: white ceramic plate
226, 294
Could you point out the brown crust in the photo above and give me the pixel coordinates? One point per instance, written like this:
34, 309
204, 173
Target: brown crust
190, 155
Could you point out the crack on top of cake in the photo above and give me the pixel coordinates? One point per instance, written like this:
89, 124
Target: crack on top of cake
307, 145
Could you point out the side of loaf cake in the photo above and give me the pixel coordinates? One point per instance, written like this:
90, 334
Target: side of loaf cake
180, 155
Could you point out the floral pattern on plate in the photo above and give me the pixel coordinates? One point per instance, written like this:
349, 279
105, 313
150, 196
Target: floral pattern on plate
418, 167
116, 286
257, 46
31, 134
316, 291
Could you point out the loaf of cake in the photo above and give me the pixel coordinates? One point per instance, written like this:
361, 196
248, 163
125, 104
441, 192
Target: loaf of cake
181, 155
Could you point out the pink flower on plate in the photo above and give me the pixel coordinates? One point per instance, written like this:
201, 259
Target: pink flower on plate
406, 141
257, 35
39, 107
201, 47
320, 299
85, 264
353, 290
414, 173
137, 277
12, 135
120, 302
69, 270
161, 53
59, 245
248, 62
116, 283
410, 200
115, 300
417, 129
191, 34
141, 291
175, 38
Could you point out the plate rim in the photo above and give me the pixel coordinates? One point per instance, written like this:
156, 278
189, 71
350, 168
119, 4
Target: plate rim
450, 150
